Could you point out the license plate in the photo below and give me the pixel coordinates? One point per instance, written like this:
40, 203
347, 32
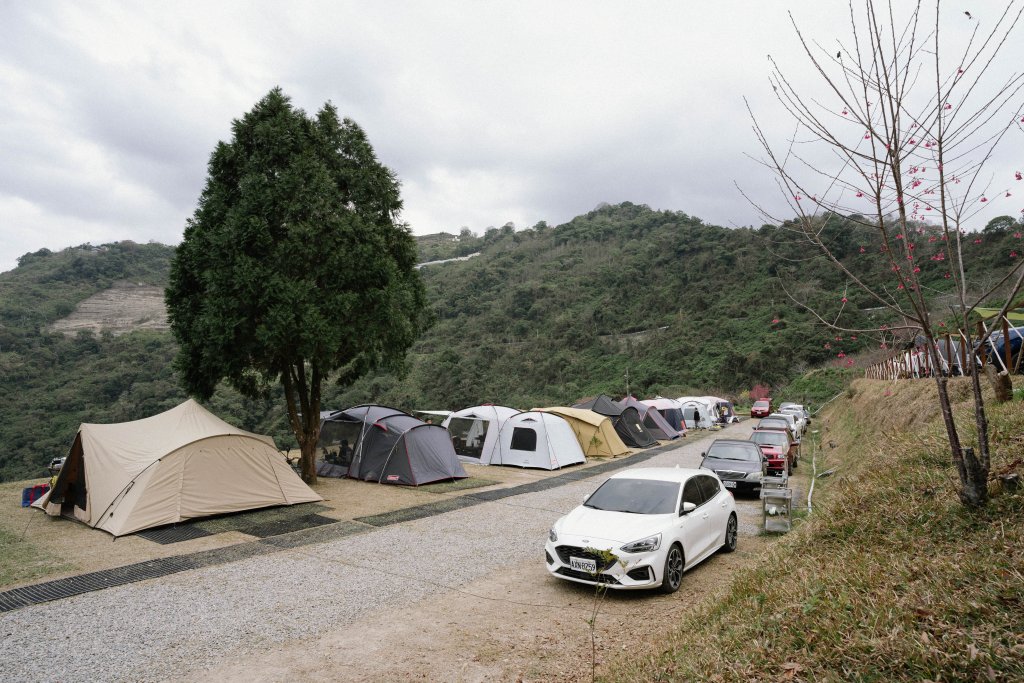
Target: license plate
729, 484
581, 564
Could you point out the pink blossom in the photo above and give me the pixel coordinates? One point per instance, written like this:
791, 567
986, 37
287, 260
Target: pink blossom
977, 241
917, 269
797, 197
913, 141
1017, 235
853, 337
839, 338
1018, 176
849, 362
775, 320
840, 355
984, 199
862, 250
947, 106
867, 136
843, 299
861, 194
845, 112
931, 239
1008, 194
884, 327
947, 276
900, 286
1013, 254
828, 345
883, 345
942, 324
899, 236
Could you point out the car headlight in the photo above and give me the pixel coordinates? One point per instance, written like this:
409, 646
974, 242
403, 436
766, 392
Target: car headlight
553, 535
644, 545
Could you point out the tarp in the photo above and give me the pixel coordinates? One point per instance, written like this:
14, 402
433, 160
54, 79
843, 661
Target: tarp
626, 420
392, 447
595, 433
181, 464
537, 439
474, 432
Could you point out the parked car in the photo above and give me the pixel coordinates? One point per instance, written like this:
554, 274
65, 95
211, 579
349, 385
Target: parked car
643, 528
777, 423
798, 414
762, 408
788, 419
739, 464
786, 407
779, 447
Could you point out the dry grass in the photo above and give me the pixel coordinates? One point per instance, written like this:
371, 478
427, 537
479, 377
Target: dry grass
890, 580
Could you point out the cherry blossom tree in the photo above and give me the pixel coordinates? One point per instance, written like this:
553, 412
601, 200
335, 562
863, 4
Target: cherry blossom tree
900, 141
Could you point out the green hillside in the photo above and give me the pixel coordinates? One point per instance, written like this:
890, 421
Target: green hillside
542, 316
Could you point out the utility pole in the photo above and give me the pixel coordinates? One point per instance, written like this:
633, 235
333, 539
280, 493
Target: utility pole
627, 382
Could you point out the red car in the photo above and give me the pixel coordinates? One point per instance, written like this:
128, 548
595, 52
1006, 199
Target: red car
778, 446
762, 408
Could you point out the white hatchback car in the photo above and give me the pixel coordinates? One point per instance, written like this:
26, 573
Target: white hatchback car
643, 528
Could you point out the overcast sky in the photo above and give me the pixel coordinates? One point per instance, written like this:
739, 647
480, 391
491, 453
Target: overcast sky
489, 112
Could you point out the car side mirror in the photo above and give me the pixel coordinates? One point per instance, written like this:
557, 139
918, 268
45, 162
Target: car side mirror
703, 454
688, 508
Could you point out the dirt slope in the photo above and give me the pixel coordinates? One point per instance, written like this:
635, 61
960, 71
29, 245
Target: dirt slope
125, 307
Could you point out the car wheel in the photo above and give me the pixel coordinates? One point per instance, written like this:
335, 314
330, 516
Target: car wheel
673, 575
730, 535
789, 468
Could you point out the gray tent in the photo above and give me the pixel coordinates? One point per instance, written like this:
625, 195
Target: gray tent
657, 425
381, 444
626, 421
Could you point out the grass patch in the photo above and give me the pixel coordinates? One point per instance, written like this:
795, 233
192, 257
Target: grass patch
890, 579
22, 561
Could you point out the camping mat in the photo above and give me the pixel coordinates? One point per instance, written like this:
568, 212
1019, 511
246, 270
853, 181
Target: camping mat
456, 485
261, 523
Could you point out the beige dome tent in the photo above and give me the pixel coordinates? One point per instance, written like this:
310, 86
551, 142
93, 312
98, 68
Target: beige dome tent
595, 432
180, 464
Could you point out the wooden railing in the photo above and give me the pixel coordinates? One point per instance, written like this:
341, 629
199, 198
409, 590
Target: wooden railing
953, 354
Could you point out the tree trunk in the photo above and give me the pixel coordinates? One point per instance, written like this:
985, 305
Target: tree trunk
973, 480
307, 463
1001, 383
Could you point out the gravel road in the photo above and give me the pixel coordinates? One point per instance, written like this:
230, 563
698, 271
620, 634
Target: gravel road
172, 626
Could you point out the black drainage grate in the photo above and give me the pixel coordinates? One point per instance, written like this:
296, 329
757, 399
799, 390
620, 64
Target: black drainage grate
174, 534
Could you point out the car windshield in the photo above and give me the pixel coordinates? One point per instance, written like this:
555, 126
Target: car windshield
638, 496
734, 452
770, 438
760, 404
773, 424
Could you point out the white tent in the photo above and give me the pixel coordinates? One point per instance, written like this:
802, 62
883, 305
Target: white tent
537, 439
180, 464
692, 405
474, 432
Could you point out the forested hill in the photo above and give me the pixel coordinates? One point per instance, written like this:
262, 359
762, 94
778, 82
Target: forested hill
542, 316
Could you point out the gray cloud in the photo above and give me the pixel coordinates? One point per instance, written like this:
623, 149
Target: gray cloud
488, 112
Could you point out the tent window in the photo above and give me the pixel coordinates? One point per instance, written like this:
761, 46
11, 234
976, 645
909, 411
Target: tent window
338, 440
524, 439
468, 435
